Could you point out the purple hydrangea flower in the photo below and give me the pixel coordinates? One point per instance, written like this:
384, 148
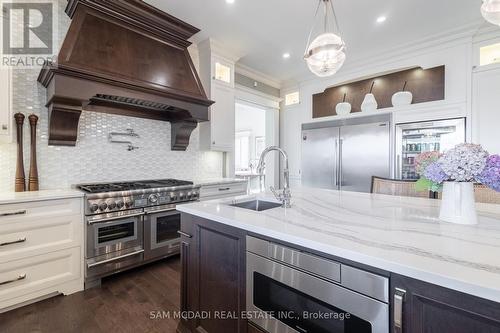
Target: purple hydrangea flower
464, 163
491, 173
435, 173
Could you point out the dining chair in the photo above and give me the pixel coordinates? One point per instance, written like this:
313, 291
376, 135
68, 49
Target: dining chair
398, 187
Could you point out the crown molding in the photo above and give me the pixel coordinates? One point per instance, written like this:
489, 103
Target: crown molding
218, 49
257, 75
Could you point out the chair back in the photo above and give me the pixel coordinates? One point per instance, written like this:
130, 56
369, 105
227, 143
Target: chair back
482, 194
398, 187
485, 194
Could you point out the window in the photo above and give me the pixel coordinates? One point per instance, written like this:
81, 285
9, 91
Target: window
242, 150
222, 73
292, 98
489, 54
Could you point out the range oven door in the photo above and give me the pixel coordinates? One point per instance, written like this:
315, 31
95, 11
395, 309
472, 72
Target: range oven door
161, 232
281, 299
112, 233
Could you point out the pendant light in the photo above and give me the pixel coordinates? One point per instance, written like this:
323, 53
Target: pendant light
491, 11
325, 55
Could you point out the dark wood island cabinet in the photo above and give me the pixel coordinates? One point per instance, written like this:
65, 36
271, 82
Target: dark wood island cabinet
427, 308
213, 289
213, 277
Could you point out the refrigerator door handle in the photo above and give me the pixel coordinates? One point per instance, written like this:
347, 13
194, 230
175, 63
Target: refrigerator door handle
341, 142
336, 169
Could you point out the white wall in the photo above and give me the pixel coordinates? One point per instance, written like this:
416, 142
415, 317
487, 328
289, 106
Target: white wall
455, 55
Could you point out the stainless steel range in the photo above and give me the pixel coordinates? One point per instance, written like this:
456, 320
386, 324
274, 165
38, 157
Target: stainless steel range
131, 223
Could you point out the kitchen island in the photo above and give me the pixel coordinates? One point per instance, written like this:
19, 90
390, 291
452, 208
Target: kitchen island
395, 237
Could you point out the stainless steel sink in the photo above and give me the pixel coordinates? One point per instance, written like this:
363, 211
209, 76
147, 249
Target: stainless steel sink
257, 205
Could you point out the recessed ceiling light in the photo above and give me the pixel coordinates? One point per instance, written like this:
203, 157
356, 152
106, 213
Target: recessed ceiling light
230, 1
286, 55
381, 19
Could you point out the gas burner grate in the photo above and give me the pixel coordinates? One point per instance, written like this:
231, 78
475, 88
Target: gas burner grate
130, 186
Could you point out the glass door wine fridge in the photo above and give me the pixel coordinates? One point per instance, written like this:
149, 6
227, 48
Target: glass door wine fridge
415, 138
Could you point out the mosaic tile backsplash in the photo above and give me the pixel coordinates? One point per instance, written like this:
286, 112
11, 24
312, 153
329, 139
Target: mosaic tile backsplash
94, 158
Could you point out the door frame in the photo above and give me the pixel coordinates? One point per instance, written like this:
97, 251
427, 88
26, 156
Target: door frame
271, 105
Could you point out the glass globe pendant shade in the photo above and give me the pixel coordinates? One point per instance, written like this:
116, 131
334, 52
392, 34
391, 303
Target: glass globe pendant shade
325, 55
490, 10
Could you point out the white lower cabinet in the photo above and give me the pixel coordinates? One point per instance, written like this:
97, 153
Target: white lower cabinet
41, 250
222, 190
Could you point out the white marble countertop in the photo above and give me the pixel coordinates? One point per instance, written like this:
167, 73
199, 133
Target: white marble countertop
217, 181
16, 197
397, 234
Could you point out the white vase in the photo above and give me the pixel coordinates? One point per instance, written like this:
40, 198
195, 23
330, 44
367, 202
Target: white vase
369, 103
458, 204
343, 108
402, 98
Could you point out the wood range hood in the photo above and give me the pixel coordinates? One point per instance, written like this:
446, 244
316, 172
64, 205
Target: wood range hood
128, 58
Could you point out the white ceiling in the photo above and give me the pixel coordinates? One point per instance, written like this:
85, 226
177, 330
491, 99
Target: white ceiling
262, 30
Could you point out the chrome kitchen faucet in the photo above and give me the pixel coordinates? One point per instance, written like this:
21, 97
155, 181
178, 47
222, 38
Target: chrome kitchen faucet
286, 195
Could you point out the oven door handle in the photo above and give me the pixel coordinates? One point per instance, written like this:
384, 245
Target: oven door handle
159, 211
113, 218
114, 259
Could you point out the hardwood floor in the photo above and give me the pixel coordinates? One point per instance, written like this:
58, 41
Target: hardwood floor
122, 304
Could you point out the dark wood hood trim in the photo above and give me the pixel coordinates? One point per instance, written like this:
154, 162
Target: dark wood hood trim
141, 14
64, 116
133, 54
181, 132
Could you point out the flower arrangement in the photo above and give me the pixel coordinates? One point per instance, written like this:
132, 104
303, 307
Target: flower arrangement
491, 173
464, 163
423, 161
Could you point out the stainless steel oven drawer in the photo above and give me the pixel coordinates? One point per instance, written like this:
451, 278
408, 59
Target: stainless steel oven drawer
114, 262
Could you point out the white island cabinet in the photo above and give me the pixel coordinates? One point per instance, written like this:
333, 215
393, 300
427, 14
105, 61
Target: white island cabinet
41, 246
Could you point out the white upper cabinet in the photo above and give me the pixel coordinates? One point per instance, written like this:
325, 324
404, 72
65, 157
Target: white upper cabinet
217, 76
6, 116
486, 109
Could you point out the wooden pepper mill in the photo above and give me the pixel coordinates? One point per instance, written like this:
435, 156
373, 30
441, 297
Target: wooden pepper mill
33, 177
20, 185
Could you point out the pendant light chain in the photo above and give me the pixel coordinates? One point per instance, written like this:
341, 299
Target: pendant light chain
312, 28
335, 21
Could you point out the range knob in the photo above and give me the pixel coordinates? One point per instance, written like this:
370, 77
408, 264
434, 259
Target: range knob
195, 195
93, 208
129, 203
111, 204
173, 197
153, 198
181, 196
103, 206
120, 204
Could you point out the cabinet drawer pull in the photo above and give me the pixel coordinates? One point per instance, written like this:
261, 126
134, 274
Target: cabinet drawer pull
21, 212
20, 240
184, 234
19, 278
399, 298
225, 189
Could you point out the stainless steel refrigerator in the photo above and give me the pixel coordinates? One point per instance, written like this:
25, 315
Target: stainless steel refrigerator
345, 154
415, 138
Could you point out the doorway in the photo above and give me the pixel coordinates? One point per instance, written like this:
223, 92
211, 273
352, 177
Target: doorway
254, 131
